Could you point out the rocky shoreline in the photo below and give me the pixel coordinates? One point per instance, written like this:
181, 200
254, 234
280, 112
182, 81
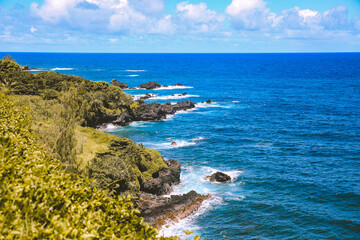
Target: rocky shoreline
144, 111
154, 207
157, 209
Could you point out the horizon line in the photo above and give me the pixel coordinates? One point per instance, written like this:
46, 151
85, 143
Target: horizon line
182, 52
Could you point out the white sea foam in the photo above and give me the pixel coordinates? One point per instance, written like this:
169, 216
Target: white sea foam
38, 70
173, 87
132, 75
134, 70
213, 105
188, 223
233, 197
62, 69
179, 143
175, 96
235, 101
192, 179
110, 128
170, 117
138, 96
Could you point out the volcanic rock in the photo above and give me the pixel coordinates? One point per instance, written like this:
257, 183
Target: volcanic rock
158, 210
219, 177
150, 85
163, 180
185, 105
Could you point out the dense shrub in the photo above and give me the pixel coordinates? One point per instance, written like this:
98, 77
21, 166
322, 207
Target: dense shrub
94, 98
38, 200
124, 165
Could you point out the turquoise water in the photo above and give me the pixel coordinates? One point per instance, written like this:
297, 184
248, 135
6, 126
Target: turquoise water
289, 122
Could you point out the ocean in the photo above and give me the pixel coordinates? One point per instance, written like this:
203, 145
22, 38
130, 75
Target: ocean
285, 127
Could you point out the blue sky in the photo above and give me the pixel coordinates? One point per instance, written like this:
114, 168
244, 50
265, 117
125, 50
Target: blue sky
180, 26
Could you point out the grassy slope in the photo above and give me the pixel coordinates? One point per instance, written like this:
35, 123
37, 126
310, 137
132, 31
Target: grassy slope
39, 200
98, 154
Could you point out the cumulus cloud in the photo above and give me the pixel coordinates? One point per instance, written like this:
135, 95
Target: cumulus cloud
103, 15
147, 16
308, 23
53, 11
250, 15
253, 16
197, 18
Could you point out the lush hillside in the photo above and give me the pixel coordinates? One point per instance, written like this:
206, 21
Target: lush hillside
90, 101
39, 200
49, 152
60, 107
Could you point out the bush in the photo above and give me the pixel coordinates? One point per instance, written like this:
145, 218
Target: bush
38, 200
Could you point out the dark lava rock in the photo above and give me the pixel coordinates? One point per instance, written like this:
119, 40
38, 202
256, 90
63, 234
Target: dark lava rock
145, 112
147, 96
153, 111
156, 111
163, 180
219, 177
178, 84
184, 94
207, 101
185, 105
158, 210
119, 84
124, 119
150, 85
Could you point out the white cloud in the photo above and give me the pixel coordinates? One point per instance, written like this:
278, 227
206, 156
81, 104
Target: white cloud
197, 18
246, 18
103, 15
250, 15
336, 18
306, 23
113, 40
53, 10
33, 29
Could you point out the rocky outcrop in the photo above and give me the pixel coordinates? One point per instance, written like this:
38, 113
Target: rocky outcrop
163, 180
117, 83
158, 210
153, 85
207, 101
150, 85
185, 105
152, 112
101, 118
218, 177
146, 96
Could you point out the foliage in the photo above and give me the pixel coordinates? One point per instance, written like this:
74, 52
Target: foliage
95, 99
124, 165
38, 200
89, 143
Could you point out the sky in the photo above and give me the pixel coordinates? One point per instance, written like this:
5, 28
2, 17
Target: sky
172, 26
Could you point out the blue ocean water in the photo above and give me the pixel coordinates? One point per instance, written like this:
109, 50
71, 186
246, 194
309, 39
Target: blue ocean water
289, 122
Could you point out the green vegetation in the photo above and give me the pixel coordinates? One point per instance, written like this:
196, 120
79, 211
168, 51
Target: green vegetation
93, 99
124, 165
39, 200
48, 153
